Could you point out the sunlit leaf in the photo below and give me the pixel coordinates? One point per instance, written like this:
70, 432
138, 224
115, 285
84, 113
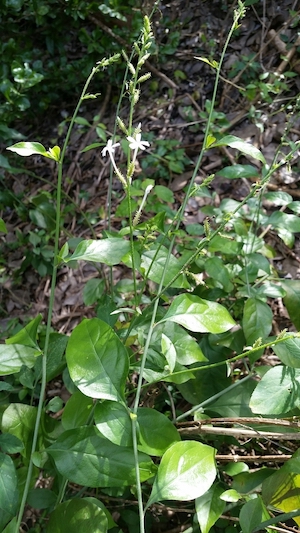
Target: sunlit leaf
28, 148
109, 251
278, 391
187, 470
199, 315
78, 515
242, 146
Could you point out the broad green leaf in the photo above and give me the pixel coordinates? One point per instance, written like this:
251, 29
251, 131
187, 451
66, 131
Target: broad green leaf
287, 222
156, 432
278, 198
77, 516
239, 171
230, 495
113, 422
199, 315
111, 522
216, 269
27, 336
14, 356
282, 491
157, 260
187, 349
10, 444
9, 498
289, 352
234, 402
77, 411
187, 470
209, 507
27, 148
3, 228
97, 360
252, 514
257, 320
278, 392
292, 299
86, 458
109, 251
242, 146
19, 420
168, 350
41, 498
247, 482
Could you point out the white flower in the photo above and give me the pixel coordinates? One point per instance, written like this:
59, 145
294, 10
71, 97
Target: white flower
136, 143
109, 149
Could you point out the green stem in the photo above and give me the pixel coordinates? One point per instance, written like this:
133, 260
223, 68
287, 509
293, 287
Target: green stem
50, 308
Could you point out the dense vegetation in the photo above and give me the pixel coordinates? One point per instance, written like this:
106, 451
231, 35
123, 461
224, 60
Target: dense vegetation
177, 397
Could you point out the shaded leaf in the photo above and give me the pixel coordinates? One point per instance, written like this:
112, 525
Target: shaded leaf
278, 392
209, 507
252, 514
77, 515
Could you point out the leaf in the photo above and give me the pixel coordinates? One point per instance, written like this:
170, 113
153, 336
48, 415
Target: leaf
238, 171
10, 444
209, 507
27, 336
97, 360
252, 514
242, 146
292, 300
187, 470
285, 221
77, 516
157, 260
86, 458
156, 432
257, 320
113, 422
168, 350
27, 148
199, 315
289, 352
3, 228
19, 420
41, 498
9, 497
282, 490
278, 392
14, 356
109, 251
77, 411
187, 349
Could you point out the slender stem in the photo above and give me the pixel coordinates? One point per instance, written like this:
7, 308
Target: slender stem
50, 308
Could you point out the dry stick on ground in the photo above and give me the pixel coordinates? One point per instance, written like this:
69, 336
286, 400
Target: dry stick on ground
121, 41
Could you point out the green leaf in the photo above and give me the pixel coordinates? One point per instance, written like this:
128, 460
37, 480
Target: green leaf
77, 411
246, 482
257, 320
285, 221
156, 432
199, 315
292, 300
157, 260
86, 458
97, 360
109, 251
14, 356
216, 269
3, 228
282, 490
242, 146
278, 392
252, 514
19, 420
27, 148
113, 422
9, 497
209, 507
10, 444
187, 349
77, 515
289, 352
278, 198
41, 498
238, 171
187, 470
168, 350
27, 336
